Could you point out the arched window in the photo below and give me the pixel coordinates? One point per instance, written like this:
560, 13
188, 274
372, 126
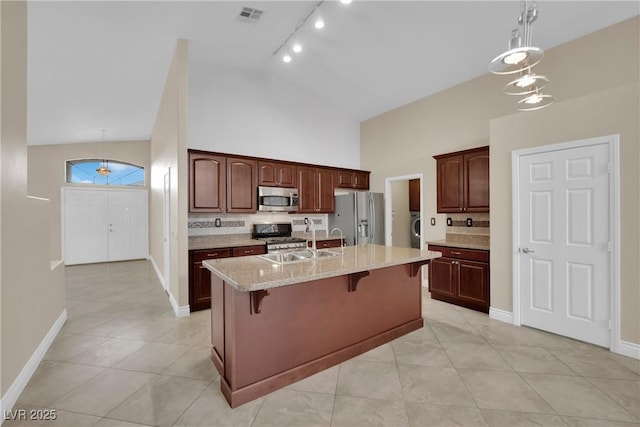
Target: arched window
85, 171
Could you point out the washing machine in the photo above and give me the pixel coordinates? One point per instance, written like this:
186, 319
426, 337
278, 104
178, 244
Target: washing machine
415, 229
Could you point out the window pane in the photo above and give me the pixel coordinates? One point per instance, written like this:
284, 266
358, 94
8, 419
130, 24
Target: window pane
84, 172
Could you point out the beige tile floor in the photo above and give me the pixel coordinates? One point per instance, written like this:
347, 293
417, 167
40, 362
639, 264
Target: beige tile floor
123, 359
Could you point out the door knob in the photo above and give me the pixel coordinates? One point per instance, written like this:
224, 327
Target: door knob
527, 250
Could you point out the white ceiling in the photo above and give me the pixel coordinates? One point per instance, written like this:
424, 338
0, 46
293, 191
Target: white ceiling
102, 65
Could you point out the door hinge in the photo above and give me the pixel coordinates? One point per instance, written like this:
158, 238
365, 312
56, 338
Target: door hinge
609, 170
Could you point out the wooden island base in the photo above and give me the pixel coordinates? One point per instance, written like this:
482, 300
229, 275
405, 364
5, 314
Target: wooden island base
264, 340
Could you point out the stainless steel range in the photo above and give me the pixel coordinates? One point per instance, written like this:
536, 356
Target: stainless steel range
278, 237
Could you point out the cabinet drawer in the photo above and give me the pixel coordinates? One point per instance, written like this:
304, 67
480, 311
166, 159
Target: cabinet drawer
460, 253
324, 244
201, 255
250, 250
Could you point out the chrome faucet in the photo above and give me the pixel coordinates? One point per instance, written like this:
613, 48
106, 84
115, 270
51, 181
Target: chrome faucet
314, 249
341, 238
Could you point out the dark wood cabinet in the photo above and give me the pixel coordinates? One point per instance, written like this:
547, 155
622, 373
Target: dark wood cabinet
463, 181
207, 183
414, 195
250, 250
200, 277
460, 277
242, 181
352, 179
326, 244
277, 174
315, 190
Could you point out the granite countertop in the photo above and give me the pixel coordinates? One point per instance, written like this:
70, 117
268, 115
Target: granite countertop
235, 240
465, 241
253, 273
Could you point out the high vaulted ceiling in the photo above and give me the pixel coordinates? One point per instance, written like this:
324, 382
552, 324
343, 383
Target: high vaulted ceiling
102, 65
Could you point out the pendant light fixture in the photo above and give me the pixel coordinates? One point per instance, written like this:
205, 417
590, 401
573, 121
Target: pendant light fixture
520, 57
103, 170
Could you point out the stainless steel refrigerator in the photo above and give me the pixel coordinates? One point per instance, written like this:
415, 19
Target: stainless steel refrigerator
360, 216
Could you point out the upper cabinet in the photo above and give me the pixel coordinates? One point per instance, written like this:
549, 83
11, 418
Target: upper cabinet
414, 195
353, 179
207, 182
242, 180
463, 181
315, 190
277, 174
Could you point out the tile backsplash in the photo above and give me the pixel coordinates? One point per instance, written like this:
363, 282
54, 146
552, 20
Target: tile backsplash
205, 224
480, 223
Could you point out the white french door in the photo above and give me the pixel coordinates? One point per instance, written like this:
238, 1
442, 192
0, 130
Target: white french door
564, 241
104, 225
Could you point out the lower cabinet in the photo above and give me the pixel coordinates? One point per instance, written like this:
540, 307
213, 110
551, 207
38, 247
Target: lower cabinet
460, 277
200, 277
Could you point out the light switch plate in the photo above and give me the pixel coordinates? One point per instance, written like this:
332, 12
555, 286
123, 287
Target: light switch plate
449, 222
433, 221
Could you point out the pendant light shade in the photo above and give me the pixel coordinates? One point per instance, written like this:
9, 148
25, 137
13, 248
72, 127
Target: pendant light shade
535, 101
516, 60
526, 84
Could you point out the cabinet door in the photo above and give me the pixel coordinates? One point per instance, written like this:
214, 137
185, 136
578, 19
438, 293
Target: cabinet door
287, 175
414, 195
473, 283
242, 183
307, 189
476, 192
268, 174
326, 187
450, 184
325, 244
200, 278
345, 179
361, 180
443, 274
207, 180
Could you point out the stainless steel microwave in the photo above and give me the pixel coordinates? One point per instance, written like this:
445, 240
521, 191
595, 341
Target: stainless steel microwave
277, 199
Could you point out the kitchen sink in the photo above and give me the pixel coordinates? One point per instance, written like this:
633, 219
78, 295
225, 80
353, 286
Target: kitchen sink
298, 256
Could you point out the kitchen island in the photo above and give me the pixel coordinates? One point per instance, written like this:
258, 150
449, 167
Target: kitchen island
273, 324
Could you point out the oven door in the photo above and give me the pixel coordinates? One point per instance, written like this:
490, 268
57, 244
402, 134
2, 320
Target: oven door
277, 199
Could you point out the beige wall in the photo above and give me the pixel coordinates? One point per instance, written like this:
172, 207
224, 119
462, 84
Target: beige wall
47, 172
169, 151
459, 118
32, 290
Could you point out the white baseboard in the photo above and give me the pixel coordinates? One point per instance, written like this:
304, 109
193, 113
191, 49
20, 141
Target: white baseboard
629, 349
155, 268
17, 387
501, 315
183, 311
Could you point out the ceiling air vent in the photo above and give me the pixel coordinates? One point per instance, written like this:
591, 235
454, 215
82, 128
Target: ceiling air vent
249, 14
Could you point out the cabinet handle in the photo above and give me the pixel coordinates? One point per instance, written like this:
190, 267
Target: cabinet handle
455, 253
248, 251
212, 255
202, 267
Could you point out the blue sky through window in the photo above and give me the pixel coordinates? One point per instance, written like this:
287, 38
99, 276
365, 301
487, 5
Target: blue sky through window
84, 172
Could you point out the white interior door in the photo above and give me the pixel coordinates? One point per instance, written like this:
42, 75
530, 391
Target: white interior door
85, 226
127, 225
104, 225
564, 260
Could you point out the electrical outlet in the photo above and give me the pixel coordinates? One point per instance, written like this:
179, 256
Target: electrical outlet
449, 222
469, 222
217, 222
433, 221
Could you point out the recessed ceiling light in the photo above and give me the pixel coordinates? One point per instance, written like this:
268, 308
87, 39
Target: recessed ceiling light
319, 24
286, 58
297, 48
345, 1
